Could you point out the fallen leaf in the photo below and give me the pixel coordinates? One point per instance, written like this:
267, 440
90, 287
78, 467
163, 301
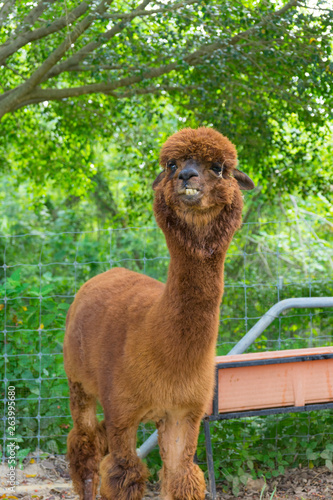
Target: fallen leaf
255, 484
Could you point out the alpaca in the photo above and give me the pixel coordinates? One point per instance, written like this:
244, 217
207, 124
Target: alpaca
146, 350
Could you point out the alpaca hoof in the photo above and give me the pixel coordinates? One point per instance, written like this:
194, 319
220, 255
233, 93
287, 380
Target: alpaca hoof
123, 481
186, 485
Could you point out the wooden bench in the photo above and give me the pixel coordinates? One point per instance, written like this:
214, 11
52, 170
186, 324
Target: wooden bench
266, 383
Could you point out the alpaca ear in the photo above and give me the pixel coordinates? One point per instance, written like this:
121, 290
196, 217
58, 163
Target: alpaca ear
158, 179
243, 180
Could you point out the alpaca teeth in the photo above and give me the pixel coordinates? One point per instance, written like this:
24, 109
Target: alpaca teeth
191, 191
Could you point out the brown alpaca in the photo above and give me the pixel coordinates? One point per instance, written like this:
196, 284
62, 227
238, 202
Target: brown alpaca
146, 350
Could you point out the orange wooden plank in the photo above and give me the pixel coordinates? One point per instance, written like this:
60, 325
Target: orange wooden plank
277, 385
274, 354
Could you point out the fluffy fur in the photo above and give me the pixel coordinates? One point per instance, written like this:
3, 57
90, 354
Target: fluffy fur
146, 350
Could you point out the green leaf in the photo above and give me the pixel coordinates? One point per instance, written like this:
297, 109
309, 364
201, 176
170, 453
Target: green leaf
329, 464
310, 455
244, 478
235, 491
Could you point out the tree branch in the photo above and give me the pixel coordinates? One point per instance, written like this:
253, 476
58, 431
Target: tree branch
210, 48
128, 16
43, 96
14, 97
31, 94
10, 48
192, 59
34, 14
17, 73
6, 10
40, 95
152, 90
92, 67
82, 53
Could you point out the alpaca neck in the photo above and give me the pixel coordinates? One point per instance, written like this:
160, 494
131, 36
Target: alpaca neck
193, 280
191, 299
188, 309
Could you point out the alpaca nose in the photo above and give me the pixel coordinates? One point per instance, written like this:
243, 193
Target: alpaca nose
187, 173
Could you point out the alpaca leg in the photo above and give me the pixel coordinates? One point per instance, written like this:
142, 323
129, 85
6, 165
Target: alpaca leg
123, 474
182, 479
86, 443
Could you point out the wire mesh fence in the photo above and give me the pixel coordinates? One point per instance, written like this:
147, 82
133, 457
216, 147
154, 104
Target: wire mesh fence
267, 262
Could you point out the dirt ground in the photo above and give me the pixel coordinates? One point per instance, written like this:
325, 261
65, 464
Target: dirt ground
49, 480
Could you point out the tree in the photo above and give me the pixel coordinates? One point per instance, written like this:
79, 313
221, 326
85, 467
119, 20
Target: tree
56, 51
75, 72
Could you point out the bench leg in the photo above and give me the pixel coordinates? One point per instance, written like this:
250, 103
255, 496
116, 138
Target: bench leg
210, 463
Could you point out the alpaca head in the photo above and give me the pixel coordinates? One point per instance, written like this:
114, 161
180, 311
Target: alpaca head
199, 185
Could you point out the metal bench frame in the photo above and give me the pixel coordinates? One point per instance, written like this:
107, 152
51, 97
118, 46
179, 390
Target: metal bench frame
239, 348
253, 413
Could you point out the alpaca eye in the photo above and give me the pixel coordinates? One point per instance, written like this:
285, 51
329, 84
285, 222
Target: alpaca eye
217, 169
172, 165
